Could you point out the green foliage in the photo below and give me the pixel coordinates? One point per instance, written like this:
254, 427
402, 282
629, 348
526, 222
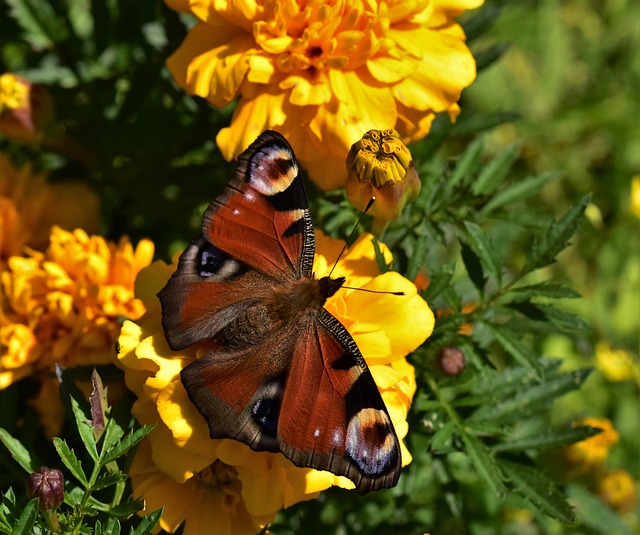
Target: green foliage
94, 495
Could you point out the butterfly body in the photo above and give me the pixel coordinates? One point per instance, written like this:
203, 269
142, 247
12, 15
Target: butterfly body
281, 373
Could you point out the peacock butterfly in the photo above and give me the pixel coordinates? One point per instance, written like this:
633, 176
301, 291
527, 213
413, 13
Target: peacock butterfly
280, 374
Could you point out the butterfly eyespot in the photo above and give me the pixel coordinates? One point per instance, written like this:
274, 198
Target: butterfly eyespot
212, 262
369, 442
265, 413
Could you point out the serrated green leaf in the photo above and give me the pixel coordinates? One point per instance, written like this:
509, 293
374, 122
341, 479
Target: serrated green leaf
127, 509
485, 463
518, 191
24, 525
148, 523
68, 457
493, 173
483, 247
513, 345
539, 490
99, 406
473, 266
544, 289
553, 439
108, 479
556, 238
19, 453
468, 165
84, 429
128, 442
112, 434
563, 319
417, 257
594, 513
532, 399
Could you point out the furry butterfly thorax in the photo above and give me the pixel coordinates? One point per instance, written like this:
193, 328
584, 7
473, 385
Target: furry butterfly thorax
280, 373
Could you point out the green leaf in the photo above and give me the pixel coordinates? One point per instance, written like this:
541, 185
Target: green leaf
440, 281
466, 125
441, 440
484, 249
148, 523
532, 399
489, 55
544, 289
594, 513
485, 463
539, 490
112, 527
518, 191
128, 442
382, 263
513, 344
563, 319
24, 525
417, 257
68, 457
108, 479
553, 439
473, 266
39, 21
493, 173
18, 451
468, 165
127, 509
84, 429
556, 238
112, 434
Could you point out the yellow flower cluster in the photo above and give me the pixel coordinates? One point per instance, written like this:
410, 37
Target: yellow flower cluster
14, 92
618, 489
222, 486
64, 305
323, 73
593, 451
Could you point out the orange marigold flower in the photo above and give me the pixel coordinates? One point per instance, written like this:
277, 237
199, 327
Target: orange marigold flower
30, 206
64, 306
221, 484
618, 489
593, 451
323, 73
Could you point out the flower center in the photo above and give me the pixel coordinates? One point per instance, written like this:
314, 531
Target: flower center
221, 478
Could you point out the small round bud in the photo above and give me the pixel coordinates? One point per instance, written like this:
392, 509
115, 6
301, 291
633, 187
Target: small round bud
380, 166
48, 485
451, 361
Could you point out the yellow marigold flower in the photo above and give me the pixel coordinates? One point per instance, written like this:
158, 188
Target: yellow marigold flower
182, 468
26, 109
64, 305
30, 206
615, 364
323, 73
593, 451
618, 489
635, 196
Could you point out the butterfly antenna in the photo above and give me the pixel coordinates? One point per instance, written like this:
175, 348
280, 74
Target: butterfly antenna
346, 243
372, 291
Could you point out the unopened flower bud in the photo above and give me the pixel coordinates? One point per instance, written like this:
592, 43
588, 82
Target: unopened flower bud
26, 109
451, 361
48, 485
380, 166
